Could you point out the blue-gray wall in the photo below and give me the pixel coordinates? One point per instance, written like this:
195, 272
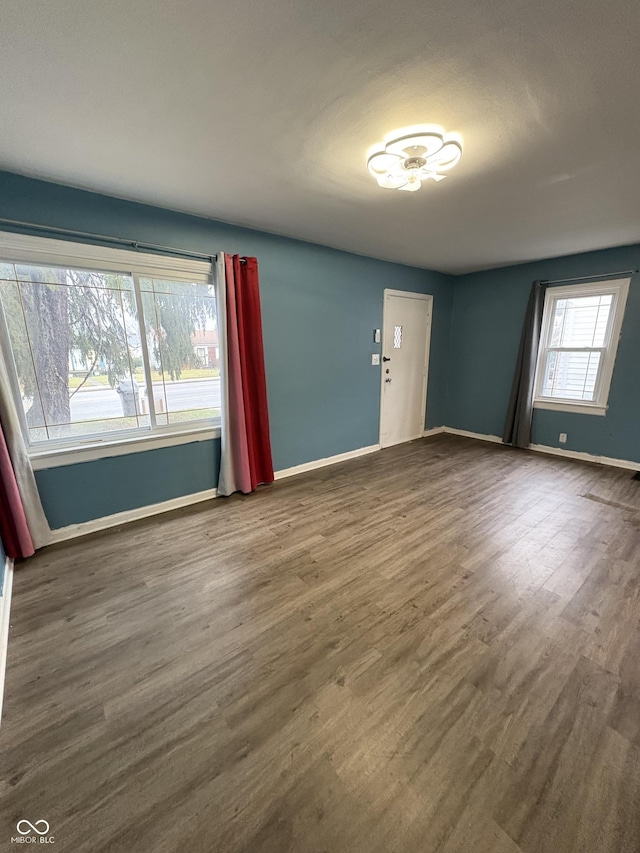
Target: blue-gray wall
487, 320
75, 493
320, 307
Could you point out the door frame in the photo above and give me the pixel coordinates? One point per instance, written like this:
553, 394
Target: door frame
422, 297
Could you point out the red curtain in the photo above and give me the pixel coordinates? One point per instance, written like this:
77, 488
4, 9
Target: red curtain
14, 530
248, 411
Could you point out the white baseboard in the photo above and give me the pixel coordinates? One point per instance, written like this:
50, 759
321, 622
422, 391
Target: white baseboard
118, 518
480, 435
5, 607
586, 457
329, 460
553, 451
433, 431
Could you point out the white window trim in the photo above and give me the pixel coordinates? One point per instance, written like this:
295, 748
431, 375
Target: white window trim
620, 290
558, 405
89, 452
21, 248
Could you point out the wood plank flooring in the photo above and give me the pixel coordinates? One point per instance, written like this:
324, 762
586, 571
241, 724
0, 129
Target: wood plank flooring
432, 648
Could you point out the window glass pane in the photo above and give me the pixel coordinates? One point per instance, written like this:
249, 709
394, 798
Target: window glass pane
571, 375
88, 278
75, 343
581, 321
182, 339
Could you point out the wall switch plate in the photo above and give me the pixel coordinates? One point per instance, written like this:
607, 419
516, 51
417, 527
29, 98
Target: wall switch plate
562, 438
376, 336
375, 358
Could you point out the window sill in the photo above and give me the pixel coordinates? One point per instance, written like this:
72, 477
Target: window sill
56, 457
573, 406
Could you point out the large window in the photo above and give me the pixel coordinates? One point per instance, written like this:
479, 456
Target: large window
107, 345
580, 332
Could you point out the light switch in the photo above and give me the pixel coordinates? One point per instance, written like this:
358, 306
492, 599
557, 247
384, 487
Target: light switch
376, 336
375, 358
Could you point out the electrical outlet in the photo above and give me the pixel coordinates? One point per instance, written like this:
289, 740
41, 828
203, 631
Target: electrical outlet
562, 438
375, 358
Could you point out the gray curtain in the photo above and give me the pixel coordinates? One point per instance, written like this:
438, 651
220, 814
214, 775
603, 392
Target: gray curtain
517, 428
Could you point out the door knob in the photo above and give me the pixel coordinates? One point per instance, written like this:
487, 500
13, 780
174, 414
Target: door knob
384, 358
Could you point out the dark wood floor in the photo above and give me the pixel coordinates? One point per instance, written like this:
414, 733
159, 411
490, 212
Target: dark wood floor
433, 648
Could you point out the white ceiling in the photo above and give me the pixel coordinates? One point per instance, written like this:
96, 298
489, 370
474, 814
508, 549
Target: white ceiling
261, 112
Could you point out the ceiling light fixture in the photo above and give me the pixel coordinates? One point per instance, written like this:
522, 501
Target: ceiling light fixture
404, 161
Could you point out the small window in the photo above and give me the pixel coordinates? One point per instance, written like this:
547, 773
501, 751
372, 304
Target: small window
579, 339
106, 344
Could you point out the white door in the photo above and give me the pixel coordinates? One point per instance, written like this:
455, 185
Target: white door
406, 333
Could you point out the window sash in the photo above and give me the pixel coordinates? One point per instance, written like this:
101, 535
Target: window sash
575, 349
544, 355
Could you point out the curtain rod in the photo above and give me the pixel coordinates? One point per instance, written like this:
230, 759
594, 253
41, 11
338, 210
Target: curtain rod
590, 277
121, 241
